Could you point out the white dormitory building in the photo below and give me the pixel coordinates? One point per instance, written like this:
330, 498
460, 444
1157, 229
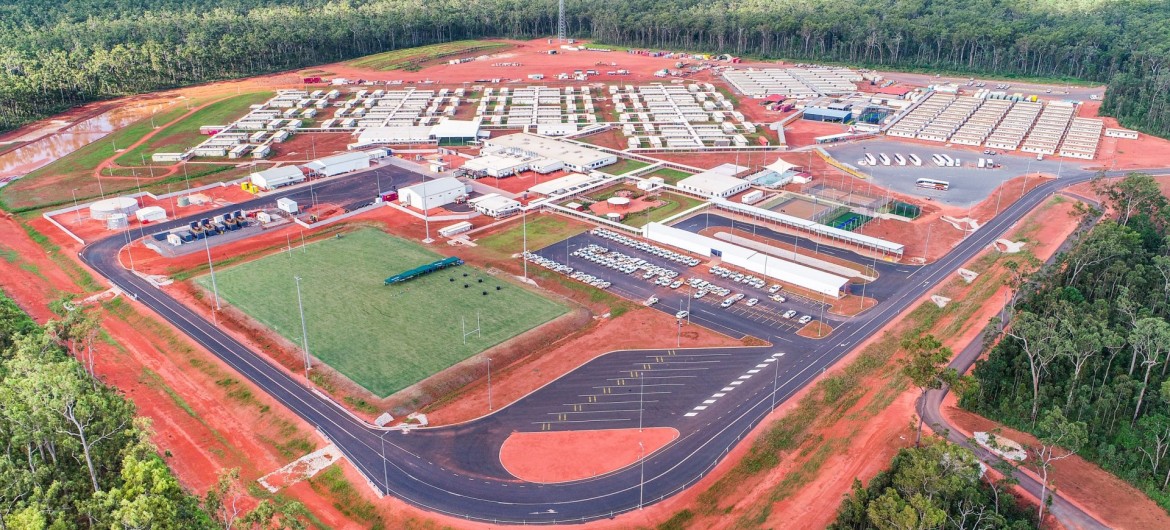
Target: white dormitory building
495, 205
719, 181
575, 157
433, 193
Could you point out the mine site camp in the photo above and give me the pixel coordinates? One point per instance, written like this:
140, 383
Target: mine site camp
378, 264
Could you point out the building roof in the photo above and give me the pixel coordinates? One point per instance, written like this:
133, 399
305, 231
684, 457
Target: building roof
894, 90
768, 265
456, 129
410, 133
718, 180
338, 159
828, 113
568, 152
564, 183
813, 226
493, 201
280, 175
435, 187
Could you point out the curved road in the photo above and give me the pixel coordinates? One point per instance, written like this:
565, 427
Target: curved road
712, 396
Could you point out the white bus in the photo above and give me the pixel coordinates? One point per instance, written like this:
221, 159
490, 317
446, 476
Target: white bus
949, 161
885, 159
933, 184
869, 158
939, 160
915, 160
901, 160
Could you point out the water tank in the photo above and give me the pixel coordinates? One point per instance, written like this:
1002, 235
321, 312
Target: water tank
117, 221
105, 208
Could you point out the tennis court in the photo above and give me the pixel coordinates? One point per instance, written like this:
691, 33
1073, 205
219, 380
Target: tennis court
848, 221
801, 207
852, 197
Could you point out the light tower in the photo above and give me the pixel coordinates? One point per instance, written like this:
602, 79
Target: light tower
561, 20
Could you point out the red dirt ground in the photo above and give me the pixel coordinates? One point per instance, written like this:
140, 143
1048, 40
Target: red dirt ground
518, 184
801, 133
89, 229
564, 456
534, 59
1117, 153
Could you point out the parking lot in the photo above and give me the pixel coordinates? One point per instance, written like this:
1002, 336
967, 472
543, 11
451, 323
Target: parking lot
969, 184
681, 285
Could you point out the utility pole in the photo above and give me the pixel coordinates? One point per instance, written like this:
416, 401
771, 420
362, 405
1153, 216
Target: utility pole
489, 360
926, 251
524, 229
304, 331
214, 288
76, 209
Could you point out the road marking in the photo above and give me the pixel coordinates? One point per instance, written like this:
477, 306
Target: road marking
745, 377
718, 395
691, 414
754, 371
727, 389
708, 402
701, 407
736, 383
563, 415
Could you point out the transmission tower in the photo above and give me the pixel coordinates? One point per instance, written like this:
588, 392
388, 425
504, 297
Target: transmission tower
561, 21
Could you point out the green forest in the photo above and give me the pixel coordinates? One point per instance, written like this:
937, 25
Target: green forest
937, 485
84, 50
1089, 339
76, 456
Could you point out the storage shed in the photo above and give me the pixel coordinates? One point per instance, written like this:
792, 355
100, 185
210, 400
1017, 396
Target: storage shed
719, 181
495, 205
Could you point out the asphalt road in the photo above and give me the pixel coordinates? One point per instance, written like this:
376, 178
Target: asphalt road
969, 184
714, 397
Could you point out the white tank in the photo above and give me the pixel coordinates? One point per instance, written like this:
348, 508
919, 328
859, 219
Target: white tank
103, 209
117, 221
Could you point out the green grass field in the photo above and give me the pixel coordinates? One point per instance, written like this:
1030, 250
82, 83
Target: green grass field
185, 133
411, 58
674, 204
623, 166
384, 338
543, 230
671, 176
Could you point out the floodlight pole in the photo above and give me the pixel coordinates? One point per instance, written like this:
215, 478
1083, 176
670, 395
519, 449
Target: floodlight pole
926, 251
76, 208
642, 476
775, 378
214, 288
524, 229
130, 250
489, 361
304, 331
385, 472
426, 210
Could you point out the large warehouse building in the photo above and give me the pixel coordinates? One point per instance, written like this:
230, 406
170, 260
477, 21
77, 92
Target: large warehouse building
771, 266
433, 193
338, 164
576, 157
273, 178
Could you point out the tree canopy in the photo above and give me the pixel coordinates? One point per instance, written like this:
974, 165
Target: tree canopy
84, 50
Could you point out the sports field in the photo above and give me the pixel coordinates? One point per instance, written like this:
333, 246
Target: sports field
848, 221
384, 338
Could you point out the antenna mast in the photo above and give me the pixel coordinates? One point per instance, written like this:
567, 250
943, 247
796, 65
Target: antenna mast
561, 21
